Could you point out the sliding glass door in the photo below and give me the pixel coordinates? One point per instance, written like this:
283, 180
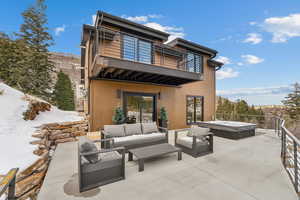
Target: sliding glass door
194, 109
141, 106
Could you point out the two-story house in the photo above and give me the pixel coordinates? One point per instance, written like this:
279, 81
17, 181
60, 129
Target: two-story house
128, 65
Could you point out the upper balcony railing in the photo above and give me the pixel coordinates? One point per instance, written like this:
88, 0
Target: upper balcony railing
112, 43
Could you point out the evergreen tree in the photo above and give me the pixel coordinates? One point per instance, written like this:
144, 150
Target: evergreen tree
34, 34
14, 62
63, 95
118, 117
292, 103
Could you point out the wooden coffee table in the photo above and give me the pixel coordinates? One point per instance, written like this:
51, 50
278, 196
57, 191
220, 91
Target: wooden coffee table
152, 151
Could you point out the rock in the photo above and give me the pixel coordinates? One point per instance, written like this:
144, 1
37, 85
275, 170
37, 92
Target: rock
69, 130
39, 142
32, 168
55, 132
78, 133
39, 152
29, 182
39, 135
65, 140
59, 136
74, 123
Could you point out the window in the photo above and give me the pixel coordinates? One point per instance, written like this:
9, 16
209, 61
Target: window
194, 109
137, 50
194, 62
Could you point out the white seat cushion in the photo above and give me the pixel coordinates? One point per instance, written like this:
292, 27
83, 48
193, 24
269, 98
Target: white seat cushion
187, 141
138, 139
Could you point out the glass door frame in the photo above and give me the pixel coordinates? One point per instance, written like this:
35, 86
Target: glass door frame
125, 94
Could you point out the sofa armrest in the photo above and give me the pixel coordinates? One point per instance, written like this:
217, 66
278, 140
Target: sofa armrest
105, 135
105, 140
119, 149
163, 129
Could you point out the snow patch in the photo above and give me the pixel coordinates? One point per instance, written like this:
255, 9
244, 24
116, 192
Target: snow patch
15, 133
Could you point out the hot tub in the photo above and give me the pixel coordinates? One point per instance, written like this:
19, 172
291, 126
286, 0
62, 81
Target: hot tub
230, 129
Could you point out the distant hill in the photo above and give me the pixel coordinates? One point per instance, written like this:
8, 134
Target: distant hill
70, 65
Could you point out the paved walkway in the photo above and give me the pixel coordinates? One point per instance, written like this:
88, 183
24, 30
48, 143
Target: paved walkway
248, 169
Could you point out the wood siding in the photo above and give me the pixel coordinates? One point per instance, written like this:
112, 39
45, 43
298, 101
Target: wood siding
104, 99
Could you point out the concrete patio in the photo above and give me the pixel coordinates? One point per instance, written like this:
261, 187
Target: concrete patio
247, 169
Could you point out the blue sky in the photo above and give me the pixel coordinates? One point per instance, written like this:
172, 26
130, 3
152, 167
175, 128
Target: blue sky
258, 40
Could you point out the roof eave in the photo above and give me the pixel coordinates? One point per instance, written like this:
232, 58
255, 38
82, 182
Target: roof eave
193, 46
124, 23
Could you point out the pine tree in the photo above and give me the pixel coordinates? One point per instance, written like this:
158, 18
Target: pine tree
63, 95
34, 34
292, 103
14, 60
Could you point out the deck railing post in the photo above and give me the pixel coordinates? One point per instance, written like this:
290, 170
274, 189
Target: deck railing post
11, 189
296, 165
283, 147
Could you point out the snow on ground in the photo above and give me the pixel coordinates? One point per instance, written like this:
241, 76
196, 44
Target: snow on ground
15, 133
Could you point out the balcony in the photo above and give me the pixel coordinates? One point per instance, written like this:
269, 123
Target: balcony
124, 70
161, 64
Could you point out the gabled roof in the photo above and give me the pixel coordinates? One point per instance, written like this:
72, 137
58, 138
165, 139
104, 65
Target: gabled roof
192, 46
104, 17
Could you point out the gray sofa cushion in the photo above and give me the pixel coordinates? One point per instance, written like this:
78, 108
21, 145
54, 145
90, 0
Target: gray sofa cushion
149, 128
87, 146
138, 139
133, 129
115, 130
199, 132
188, 142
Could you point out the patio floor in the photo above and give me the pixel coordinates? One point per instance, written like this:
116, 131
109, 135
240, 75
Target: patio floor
247, 169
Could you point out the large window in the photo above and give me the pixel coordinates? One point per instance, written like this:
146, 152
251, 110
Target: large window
137, 50
194, 109
194, 62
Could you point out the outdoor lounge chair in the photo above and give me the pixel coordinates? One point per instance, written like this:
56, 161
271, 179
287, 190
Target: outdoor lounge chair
194, 141
99, 167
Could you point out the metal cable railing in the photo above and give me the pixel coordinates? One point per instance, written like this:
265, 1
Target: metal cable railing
290, 152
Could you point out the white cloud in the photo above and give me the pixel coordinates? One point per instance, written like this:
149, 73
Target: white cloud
253, 38
226, 73
251, 59
240, 64
175, 32
142, 18
283, 28
259, 95
138, 18
93, 19
59, 30
252, 23
224, 60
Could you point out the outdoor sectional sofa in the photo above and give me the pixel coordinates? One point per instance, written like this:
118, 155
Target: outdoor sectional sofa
132, 136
